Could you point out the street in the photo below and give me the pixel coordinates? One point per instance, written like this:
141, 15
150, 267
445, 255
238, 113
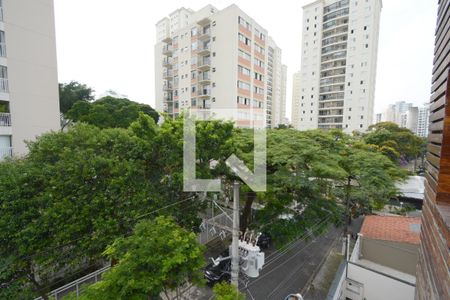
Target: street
292, 271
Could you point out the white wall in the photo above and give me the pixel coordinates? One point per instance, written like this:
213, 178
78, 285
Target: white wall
32, 70
379, 287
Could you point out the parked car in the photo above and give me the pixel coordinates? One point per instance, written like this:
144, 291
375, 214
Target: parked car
264, 241
217, 273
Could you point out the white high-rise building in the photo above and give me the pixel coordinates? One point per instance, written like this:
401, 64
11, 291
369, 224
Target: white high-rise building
406, 115
296, 97
29, 104
338, 65
423, 120
276, 86
217, 59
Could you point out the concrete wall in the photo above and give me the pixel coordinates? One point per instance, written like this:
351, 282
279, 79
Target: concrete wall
379, 287
32, 70
399, 256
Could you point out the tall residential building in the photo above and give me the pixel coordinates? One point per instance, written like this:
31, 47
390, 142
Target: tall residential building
276, 86
216, 59
29, 104
296, 96
338, 65
423, 121
407, 115
395, 111
433, 269
409, 119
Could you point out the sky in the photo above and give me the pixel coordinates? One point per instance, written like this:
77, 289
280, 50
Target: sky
109, 44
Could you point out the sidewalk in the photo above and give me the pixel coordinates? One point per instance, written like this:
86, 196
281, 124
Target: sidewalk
318, 290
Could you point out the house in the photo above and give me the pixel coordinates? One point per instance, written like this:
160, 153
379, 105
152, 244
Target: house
383, 261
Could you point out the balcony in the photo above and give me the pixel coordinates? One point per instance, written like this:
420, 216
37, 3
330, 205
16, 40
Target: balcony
167, 50
168, 74
167, 40
203, 22
167, 87
167, 63
205, 49
332, 88
5, 120
4, 87
205, 34
6, 152
204, 93
204, 78
204, 64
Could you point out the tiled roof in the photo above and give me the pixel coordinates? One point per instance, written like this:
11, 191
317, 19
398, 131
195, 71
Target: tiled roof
392, 228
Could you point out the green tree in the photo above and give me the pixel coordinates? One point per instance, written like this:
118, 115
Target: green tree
110, 112
72, 92
157, 258
226, 291
395, 142
77, 191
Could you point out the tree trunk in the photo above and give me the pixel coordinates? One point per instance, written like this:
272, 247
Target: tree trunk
246, 214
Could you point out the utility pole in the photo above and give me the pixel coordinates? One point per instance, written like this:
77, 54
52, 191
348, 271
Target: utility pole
235, 241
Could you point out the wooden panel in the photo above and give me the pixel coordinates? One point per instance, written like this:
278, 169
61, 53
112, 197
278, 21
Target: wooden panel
434, 160
435, 149
435, 138
436, 126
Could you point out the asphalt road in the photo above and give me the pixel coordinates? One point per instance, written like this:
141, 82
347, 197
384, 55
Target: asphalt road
292, 271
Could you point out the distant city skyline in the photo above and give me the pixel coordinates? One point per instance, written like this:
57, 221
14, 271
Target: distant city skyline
112, 47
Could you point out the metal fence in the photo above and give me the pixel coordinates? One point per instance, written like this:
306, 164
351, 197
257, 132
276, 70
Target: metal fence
77, 286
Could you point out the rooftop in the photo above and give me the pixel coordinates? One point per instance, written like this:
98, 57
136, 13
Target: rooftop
392, 228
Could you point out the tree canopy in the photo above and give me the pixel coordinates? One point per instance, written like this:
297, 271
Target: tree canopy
226, 291
78, 191
72, 92
158, 257
109, 112
395, 142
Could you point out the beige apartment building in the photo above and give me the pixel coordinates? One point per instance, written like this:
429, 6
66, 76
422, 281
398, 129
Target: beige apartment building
338, 65
29, 104
218, 59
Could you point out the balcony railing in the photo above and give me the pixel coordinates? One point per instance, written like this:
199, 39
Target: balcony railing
5, 152
5, 120
204, 93
204, 63
204, 49
167, 50
168, 74
4, 87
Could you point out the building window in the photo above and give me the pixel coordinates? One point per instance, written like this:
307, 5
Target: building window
3, 79
258, 90
245, 39
259, 63
244, 55
259, 49
244, 23
194, 31
258, 76
243, 85
244, 70
2, 43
